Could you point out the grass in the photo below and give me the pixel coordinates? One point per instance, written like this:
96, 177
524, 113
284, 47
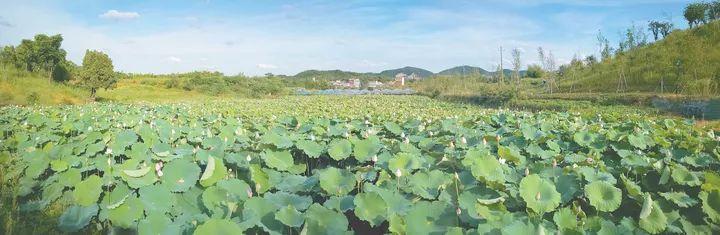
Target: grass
23, 88
131, 91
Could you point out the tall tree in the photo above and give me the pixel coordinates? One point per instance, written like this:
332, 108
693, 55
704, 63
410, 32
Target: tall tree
604, 45
96, 72
714, 10
516, 63
695, 13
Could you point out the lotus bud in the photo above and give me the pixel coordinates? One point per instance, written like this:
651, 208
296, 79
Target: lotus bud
196, 149
589, 160
527, 171
574, 165
226, 139
430, 133
172, 132
257, 135
497, 137
258, 187
554, 163
248, 158
108, 151
463, 140
457, 177
444, 158
502, 160
312, 137
346, 135
537, 196
249, 192
398, 172
452, 145
374, 158
458, 211
406, 140
484, 141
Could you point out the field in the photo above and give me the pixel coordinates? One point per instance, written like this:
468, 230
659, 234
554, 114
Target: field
352, 164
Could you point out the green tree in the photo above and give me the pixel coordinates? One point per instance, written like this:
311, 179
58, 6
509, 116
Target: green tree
714, 10
534, 71
41, 54
695, 13
660, 29
96, 72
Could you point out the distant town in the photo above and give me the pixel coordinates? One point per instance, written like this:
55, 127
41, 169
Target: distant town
355, 83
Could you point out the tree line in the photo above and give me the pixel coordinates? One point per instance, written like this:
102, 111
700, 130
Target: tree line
44, 54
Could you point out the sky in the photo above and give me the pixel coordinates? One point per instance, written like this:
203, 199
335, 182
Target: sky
287, 37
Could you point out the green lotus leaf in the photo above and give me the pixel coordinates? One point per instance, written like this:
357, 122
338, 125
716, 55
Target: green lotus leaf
214, 171
539, 194
565, 218
137, 173
59, 165
321, 220
640, 141
88, 191
38, 165
403, 163
238, 189
393, 128
339, 149
429, 218
260, 178
281, 160
365, 149
680, 198
118, 196
279, 140
137, 182
260, 212
77, 217
218, 226
655, 222
682, 175
342, 204
511, 153
157, 198
427, 185
370, 207
568, 185
290, 216
647, 206
311, 148
603, 196
154, 223
162, 149
282, 199
396, 202
216, 201
70, 177
711, 204
125, 138
484, 166
336, 181
126, 215
520, 227
690, 228
180, 175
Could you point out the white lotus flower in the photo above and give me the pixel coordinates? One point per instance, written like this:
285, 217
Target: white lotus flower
398, 172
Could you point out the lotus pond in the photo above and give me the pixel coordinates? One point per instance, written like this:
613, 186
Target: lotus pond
360, 164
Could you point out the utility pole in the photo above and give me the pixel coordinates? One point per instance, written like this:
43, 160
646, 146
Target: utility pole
502, 72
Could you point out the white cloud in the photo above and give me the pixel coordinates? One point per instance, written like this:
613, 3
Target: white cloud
174, 59
119, 15
267, 66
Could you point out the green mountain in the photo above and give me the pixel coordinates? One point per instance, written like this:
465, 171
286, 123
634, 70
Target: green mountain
407, 70
334, 75
464, 70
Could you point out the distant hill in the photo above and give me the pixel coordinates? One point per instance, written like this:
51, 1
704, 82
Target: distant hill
407, 70
334, 74
464, 70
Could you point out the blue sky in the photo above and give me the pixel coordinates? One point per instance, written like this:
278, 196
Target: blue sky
286, 37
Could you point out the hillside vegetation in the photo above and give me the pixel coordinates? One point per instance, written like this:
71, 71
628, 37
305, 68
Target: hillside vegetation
684, 62
25, 88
